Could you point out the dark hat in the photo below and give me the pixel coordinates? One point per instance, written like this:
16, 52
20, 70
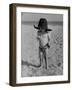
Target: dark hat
42, 25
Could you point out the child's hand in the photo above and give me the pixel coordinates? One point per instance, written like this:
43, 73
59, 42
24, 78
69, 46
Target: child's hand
38, 38
48, 45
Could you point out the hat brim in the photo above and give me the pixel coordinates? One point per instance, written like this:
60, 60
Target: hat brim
36, 27
48, 29
39, 28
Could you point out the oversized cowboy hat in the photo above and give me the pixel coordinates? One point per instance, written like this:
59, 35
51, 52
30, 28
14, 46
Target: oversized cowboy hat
42, 25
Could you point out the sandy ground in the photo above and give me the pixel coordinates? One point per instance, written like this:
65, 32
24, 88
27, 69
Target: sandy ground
55, 57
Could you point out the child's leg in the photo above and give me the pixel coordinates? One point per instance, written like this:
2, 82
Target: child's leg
40, 57
45, 61
46, 57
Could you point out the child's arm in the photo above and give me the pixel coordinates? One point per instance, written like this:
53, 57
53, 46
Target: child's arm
38, 36
48, 42
48, 38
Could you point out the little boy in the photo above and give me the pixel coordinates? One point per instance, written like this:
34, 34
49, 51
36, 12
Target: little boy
43, 38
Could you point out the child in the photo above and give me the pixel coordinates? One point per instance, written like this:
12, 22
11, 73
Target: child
43, 38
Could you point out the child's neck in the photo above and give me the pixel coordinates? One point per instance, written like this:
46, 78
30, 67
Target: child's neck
42, 32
